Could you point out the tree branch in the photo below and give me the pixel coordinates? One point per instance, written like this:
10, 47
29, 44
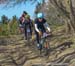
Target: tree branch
60, 7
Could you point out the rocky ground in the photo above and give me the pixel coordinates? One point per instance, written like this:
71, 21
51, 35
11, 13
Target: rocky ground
15, 51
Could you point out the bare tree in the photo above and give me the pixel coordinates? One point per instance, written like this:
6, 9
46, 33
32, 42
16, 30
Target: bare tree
68, 12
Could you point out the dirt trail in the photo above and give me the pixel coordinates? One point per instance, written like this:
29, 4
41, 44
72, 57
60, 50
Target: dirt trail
14, 51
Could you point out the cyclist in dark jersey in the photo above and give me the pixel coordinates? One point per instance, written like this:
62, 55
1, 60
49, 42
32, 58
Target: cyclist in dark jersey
27, 25
40, 26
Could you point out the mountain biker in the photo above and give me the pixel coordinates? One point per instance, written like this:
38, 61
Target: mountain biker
21, 20
40, 27
28, 25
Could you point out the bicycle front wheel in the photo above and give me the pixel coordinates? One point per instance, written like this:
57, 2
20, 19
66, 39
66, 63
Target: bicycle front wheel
46, 48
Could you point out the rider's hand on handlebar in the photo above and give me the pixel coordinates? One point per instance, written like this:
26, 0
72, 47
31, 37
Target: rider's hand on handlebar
49, 32
40, 33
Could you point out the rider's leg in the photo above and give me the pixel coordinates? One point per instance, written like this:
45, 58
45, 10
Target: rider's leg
25, 29
37, 37
30, 29
39, 46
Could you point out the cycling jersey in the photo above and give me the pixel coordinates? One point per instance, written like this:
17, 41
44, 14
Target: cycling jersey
41, 25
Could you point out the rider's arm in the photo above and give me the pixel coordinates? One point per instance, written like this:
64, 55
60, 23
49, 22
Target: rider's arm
23, 19
36, 28
47, 26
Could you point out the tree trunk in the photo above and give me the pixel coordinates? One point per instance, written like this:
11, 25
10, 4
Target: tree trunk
72, 18
69, 17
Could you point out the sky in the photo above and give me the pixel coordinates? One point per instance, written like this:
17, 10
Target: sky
18, 10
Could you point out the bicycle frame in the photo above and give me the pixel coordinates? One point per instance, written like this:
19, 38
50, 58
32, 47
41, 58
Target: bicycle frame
45, 44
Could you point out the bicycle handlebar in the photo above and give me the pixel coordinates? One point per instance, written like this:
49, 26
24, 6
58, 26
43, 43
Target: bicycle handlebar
45, 35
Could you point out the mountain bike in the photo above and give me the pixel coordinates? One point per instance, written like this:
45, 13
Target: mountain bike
44, 44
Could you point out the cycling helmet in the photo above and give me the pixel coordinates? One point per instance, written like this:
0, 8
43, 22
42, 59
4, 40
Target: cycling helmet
25, 12
40, 15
